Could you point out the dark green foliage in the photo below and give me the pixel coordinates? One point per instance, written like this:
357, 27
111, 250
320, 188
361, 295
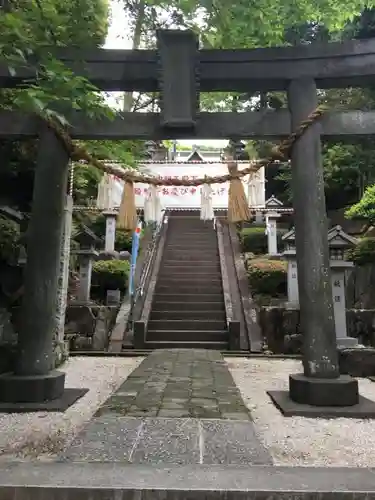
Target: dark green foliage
110, 274
254, 239
363, 253
123, 239
267, 277
9, 239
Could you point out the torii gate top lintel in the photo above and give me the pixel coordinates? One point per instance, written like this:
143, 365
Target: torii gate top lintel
179, 70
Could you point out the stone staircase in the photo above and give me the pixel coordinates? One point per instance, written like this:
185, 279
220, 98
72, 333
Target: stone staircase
188, 306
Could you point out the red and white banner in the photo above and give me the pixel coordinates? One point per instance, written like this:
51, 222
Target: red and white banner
183, 197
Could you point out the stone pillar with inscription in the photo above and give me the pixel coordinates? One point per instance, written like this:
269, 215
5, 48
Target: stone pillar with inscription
289, 255
339, 242
110, 230
271, 229
86, 255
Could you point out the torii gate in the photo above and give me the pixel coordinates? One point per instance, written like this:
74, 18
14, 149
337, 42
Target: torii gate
179, 71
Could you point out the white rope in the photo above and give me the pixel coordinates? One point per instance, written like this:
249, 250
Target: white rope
71, 179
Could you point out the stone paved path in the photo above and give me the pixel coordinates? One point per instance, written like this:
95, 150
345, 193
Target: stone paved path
178, 407
179, 383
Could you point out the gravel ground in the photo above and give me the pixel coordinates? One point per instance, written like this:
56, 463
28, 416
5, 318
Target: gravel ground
43, 435
302, 441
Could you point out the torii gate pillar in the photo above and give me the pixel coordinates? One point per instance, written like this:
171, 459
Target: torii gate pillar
321, 383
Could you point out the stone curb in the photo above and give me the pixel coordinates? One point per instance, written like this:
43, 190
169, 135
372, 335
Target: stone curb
56, 481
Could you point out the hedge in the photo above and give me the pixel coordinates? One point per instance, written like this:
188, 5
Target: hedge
111, 274
123, 240
267, 277
363, 253
254, 239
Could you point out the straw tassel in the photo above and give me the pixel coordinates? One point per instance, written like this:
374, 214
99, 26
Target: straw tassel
127, 216
238, 208
152, 208
207, 212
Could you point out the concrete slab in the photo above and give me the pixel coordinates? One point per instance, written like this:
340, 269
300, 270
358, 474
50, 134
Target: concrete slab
105, 439
281, 399
69, 397
179, 383
105, 481
228, 442
168, 441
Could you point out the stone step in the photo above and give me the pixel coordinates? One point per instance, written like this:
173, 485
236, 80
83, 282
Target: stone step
209, 264
187, 272
190, 307
186, 314
178, 325
194, 297
217, 346
188, 280
203, 287
189, 257
187, 336
202, 252
188, 241
214, 267
175, 245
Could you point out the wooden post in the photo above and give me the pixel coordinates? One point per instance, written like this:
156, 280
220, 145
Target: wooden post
38, 315
320, 360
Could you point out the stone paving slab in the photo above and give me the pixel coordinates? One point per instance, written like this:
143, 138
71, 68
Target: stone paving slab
179, 383
179, 406
104, 481
168, 441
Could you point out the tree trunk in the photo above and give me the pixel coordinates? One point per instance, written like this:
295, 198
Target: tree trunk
128, 96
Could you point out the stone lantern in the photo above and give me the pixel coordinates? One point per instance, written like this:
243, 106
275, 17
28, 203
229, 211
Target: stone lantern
289, 255
87, 241
338, 243
272, 204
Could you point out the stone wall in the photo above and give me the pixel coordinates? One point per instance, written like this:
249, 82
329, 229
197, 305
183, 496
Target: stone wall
88, 327
360, 287
281, 328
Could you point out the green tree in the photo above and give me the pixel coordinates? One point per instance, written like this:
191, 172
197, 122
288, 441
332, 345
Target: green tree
365, 208
25, 32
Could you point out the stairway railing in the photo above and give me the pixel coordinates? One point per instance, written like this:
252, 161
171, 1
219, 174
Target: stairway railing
146, 269
233, 324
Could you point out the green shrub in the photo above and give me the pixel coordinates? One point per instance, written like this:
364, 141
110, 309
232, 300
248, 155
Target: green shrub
267, 277
363, 253
254, 239
9, 238
111, 274
123, 240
